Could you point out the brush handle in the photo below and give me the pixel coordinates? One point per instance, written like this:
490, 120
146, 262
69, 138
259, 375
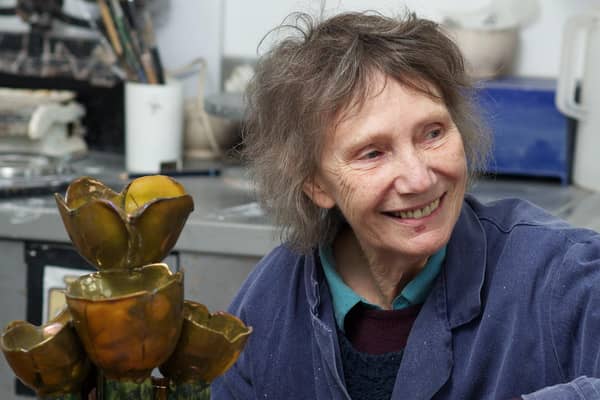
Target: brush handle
109, 25
158, 68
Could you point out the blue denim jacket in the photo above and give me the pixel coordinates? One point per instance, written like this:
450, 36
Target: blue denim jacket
515, 311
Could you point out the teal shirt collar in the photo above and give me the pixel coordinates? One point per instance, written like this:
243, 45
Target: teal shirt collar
344, 298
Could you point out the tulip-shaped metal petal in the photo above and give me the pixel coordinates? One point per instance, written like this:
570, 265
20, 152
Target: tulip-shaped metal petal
124, 230
128, 320
49, 359
208, 346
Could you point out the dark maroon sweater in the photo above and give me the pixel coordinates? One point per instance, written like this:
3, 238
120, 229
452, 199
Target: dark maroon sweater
371, 349
375, 331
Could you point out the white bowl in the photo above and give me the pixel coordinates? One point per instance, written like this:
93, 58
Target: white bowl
488, 53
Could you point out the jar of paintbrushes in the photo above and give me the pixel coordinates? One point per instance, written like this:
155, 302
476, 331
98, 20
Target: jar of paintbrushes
153, 101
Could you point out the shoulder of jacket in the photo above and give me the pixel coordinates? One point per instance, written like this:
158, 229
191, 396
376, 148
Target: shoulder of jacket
506, 214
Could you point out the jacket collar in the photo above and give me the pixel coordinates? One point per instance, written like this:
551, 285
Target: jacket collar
314, 282
324, 331
465, 267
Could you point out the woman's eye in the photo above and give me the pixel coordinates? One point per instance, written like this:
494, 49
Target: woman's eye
371, 155
434, 133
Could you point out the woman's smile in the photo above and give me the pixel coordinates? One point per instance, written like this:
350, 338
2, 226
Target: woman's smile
416, 213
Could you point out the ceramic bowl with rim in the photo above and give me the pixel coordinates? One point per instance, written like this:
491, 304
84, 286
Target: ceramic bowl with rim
488, 53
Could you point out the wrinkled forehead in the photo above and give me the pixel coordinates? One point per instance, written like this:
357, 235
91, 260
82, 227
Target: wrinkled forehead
373, 86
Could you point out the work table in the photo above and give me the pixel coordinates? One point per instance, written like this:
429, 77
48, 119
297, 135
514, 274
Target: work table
225, 218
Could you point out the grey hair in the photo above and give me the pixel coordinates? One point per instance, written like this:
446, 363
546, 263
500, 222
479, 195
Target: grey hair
309, 78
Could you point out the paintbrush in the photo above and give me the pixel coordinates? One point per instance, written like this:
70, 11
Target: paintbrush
150, 41
109, 25
123, 29
136, 24
110, 58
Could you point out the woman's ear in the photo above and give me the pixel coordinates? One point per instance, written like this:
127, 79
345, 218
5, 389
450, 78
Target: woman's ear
316, 191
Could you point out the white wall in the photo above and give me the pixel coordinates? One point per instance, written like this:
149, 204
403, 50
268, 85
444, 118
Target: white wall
192, 29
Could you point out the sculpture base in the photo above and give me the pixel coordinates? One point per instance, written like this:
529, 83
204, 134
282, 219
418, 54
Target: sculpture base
112, 389
189, 391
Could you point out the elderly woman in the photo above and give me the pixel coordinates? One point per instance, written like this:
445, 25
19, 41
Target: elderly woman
392, 283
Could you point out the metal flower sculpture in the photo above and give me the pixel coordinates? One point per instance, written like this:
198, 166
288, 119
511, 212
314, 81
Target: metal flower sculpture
124, 230
208, 346
130, 316
49, 358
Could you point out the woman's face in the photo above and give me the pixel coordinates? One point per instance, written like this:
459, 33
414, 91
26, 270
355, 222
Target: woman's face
397, 171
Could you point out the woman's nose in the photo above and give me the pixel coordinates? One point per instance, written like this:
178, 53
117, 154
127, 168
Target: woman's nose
413, 173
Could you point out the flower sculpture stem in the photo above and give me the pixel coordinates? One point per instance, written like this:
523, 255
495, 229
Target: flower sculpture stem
189, 391
113, 389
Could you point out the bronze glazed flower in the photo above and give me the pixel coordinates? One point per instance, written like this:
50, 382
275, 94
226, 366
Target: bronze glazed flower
124, 230
49, 359
129, 321
208, 346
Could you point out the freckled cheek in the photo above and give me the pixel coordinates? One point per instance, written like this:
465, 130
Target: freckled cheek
459, 174
455, 162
